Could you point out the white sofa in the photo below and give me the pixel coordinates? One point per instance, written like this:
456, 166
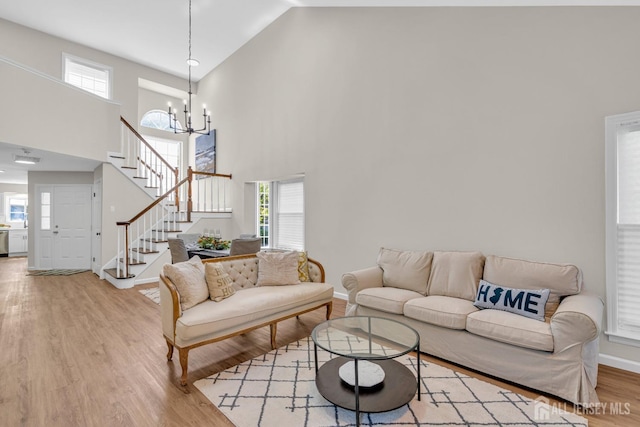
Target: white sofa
434, 292
249, 308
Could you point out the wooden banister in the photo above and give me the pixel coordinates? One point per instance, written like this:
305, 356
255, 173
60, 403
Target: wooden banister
141, 138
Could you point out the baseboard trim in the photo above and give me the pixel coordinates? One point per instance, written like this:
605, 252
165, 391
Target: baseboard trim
145, 281
620, 363
340, 296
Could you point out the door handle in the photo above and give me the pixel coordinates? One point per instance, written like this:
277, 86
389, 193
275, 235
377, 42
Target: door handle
55, 232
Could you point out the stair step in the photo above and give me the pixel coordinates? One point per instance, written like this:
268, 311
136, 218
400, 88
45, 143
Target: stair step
156, 241
132, 261
113, 156
139, 177
128, 167
167, 231
113, 272
145, 251
147, 186
181, 222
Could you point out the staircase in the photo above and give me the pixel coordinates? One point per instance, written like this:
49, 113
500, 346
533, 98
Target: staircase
174, 208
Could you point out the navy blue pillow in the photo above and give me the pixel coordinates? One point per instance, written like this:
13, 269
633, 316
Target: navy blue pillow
525, 302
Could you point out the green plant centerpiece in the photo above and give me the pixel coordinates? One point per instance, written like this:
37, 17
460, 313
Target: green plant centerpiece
208, 242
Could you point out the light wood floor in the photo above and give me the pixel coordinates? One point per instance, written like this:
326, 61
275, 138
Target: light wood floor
78, 352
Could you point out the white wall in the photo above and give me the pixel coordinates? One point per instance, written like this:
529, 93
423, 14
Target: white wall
434, 128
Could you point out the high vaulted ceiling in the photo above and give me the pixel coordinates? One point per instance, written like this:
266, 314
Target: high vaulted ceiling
155, 32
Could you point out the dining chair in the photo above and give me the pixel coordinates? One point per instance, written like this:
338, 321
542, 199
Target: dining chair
178, 250
245, 246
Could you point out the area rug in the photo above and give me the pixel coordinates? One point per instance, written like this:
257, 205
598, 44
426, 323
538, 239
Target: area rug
278, 389
152, 293
55, 272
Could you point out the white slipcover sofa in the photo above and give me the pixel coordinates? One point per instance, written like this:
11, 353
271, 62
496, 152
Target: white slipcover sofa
434, 292
248, 308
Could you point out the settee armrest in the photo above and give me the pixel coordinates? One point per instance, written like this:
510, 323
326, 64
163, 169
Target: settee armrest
170, 309
356, 281
577, 320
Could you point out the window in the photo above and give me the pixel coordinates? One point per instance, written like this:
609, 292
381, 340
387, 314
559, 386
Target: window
17, 209
284, 219
87, 75
158, 119
622, 171
263, 213
170, 150
45, 210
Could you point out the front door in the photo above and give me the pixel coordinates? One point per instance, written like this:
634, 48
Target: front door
64, 229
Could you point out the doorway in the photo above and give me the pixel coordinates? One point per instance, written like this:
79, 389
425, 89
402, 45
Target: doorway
63, 228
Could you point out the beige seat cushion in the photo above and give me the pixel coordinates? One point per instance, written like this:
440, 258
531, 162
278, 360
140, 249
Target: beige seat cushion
405, 269
560, 279
247, 306
189, 279
442, 311
511, 329
456, 274
387, 299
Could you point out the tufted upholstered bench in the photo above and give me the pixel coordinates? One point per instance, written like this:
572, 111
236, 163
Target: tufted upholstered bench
251, 307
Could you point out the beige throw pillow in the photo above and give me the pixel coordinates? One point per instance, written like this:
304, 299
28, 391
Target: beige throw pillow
456, 274
188, 276
277, 268
303, 267
219, 283
405, 269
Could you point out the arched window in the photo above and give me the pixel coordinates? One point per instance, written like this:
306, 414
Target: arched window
158, 119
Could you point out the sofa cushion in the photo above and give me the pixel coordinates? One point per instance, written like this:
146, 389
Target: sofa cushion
511, 328
456, 274
525, 302
247, 306
560, 279
442, 311
405, 269
387, 299
277, 268
188, 276
218, 281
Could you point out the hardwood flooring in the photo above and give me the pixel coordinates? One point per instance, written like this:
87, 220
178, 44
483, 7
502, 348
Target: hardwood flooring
78, 352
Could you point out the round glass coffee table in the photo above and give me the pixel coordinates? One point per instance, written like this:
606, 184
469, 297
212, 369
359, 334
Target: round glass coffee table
372, 381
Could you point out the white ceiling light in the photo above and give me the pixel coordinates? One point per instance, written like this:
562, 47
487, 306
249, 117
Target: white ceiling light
25, 158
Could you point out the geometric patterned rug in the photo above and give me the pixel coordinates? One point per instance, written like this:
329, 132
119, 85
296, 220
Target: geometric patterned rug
152, 293
278, 389
67, 272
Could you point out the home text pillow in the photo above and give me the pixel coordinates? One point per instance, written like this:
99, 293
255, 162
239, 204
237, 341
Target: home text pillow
188, 276
219, 283
303, 267
405, 269
277, 268
525, 302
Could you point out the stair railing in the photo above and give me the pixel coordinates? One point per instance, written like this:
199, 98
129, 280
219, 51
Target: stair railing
140, 234
147, 162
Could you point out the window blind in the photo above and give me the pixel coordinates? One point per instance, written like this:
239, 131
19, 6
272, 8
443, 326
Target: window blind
87, 77
290, 215
628, 231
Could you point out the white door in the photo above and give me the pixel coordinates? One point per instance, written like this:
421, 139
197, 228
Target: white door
64, 229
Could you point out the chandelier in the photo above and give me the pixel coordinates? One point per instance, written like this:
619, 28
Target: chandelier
206, 128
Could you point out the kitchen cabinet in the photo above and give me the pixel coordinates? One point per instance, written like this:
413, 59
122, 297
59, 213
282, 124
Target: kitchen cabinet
18, 242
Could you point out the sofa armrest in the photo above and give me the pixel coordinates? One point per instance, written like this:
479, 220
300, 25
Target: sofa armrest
170, 309
356, 281
577, 320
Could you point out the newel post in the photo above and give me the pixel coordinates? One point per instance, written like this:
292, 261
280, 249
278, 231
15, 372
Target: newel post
189, 199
